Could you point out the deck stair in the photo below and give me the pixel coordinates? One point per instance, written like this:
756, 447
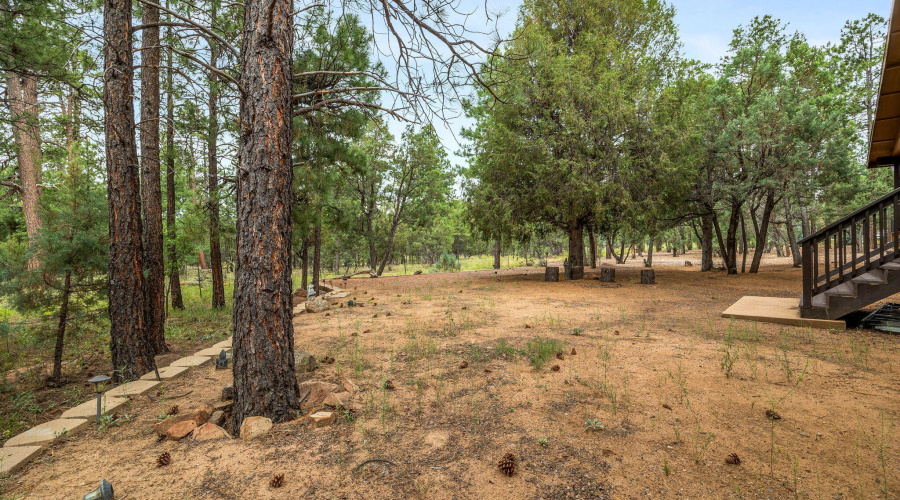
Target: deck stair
853, 262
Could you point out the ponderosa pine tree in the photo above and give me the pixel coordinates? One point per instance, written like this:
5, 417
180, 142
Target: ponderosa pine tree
132, 355
151, 188
264, 380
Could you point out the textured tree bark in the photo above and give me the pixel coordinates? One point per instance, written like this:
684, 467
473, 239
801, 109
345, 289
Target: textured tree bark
151, 189
551, 274
317, 257
132, 356
215, 250
607, 274
791, 235
763, 233
61, 328
648, 277
706, 242
576, 249
23, 109
648, 262
593, 245
264, 379
304, 266
497, 253
174, 276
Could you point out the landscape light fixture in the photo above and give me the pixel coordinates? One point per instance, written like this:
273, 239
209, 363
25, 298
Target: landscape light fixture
99, 379
222, 362
102, 492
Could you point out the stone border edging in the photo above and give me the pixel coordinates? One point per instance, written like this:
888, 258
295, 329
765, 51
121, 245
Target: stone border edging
24, 447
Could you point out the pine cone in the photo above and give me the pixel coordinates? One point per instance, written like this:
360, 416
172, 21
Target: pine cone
164, 459
387, 313
277, 480
388, 385
173, 410
464, 364
560, 356
733, 459
772, 415
574, 352
555, 368
507, 464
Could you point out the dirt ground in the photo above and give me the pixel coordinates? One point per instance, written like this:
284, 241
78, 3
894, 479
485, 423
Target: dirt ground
659, 391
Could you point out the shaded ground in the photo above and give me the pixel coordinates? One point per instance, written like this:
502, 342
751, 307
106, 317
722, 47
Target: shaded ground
643, 409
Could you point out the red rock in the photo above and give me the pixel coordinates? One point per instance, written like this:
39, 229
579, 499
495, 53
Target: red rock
209, 431
181, 429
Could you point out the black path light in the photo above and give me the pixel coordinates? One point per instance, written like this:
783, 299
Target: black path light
97, 381
222, 361
102, 492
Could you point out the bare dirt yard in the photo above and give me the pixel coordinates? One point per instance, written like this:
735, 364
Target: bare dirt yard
601, 390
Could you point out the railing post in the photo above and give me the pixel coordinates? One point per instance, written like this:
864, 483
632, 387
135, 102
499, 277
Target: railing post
808, 278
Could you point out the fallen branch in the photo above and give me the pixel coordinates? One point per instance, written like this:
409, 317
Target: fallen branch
372, 460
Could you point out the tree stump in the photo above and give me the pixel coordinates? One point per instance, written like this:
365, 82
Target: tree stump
551, 274
607, 274
648, 277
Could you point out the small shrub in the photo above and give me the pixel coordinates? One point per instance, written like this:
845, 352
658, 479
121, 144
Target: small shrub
447, 263
541, 350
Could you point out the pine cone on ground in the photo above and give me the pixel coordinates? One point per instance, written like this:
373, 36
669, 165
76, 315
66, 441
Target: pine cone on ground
388, 385
173, 410
277, 480
507, 464
560, 356
574, 352
733, 459
464, 364
555, 368
772, 415
164, 459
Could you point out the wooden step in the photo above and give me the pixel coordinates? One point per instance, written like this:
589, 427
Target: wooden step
875, 277
820, 301
891, 266
847, 289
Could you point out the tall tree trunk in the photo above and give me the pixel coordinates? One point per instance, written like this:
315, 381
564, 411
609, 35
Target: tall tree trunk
151, 189
132, 355
317, 257
763, 233
174, 276
791, 235
61, 328
744, 243
706, 242
576, 248
23, 109
497, 253
648, 262
215, 250
593, 244
304, 266
264, 379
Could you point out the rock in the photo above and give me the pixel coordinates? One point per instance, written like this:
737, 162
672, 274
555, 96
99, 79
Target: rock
304, 362
350, 386
254, 427
208, 432
337, 400
198, 417
228, 393
318, 391
217, 418
181, 429
322, 418
317, 305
